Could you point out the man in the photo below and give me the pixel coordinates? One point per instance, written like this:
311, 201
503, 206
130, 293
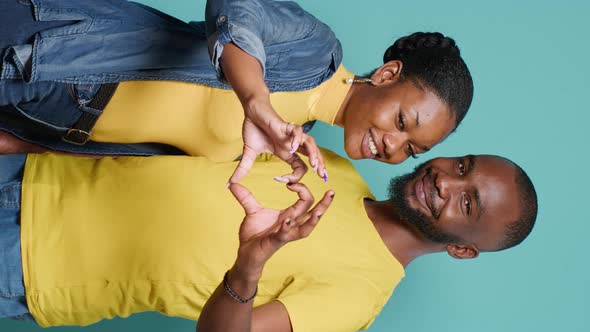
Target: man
106, 237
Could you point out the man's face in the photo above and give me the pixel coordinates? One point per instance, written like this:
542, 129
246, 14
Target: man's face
467, 200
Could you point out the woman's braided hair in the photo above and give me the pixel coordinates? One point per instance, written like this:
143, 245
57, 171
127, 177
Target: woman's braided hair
434, 62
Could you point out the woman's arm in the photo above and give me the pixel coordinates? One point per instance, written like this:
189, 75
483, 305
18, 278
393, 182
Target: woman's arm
263, 129
238, 33
262, 232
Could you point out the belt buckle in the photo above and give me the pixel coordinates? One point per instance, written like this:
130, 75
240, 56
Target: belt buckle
76, 136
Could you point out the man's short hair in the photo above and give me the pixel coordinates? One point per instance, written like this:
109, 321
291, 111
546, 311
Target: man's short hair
519, 229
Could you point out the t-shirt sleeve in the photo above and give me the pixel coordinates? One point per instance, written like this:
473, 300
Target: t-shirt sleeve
345, 306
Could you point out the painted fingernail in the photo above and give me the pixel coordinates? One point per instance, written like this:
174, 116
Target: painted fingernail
315, 168
288, 222
325, 176
281, 179
332, 195
227, 185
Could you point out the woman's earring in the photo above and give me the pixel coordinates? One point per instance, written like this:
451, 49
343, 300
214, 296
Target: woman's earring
358, 80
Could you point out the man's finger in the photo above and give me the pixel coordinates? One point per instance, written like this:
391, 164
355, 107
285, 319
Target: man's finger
285, 233
299, 169
309, 225
322, 206
302, 229
305, 200
248, 158
245, 198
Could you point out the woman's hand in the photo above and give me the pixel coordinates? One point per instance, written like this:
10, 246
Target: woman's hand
264, 231
264, 131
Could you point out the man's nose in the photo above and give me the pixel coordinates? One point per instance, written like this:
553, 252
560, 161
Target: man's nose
447, 184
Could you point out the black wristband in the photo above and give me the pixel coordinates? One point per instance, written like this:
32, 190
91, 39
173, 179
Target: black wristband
233, 294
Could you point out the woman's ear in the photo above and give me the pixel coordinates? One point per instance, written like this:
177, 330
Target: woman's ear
463, 251
388, 72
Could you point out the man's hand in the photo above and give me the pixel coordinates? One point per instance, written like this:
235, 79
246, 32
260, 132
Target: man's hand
264, 231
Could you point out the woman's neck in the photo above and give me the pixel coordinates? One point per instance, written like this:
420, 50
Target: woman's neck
339, 120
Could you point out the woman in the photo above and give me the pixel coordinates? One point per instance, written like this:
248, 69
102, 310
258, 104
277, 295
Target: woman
274, 56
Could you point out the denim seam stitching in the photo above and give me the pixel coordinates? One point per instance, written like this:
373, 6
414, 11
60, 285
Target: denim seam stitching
39, 121
10, 204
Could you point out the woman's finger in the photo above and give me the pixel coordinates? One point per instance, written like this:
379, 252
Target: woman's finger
308, 147
315, 156
248, 158
296, 137
321, 166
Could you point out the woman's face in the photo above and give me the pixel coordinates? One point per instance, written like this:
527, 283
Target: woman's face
391, 120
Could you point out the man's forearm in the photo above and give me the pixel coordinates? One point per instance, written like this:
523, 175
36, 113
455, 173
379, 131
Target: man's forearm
224, 313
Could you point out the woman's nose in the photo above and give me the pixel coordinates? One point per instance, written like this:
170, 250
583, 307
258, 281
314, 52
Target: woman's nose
394, 147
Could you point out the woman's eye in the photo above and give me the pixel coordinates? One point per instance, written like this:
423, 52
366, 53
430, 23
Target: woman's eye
410, 151
461, 168
401, 121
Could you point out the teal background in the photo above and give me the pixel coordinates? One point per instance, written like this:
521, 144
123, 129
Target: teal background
529, 63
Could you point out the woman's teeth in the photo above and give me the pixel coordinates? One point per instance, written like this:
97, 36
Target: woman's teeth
372, 146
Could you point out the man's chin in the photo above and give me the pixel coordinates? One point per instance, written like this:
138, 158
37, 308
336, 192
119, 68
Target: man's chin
401, 195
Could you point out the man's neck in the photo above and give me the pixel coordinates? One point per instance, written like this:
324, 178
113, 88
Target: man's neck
403, 241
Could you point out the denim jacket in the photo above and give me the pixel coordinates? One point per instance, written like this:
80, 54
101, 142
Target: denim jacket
116, 40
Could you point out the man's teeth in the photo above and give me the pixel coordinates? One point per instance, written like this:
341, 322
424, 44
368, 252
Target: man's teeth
372, 146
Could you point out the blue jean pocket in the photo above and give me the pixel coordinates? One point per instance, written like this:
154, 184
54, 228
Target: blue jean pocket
50, 104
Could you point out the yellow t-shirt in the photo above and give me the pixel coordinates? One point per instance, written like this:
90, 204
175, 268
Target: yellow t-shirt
116, 236
205, 121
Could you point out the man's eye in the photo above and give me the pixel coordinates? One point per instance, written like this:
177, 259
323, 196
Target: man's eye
461, 168
467, 204
401, 121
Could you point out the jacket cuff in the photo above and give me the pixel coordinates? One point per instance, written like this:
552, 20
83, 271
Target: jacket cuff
245, 39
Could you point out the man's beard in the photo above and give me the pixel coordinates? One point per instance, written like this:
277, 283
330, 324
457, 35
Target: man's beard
414, 217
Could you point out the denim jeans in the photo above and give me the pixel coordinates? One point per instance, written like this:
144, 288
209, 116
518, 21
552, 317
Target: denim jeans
41, 112
19, 13
12, 291
70, 47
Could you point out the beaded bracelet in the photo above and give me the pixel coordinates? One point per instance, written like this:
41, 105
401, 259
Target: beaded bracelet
233, 294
